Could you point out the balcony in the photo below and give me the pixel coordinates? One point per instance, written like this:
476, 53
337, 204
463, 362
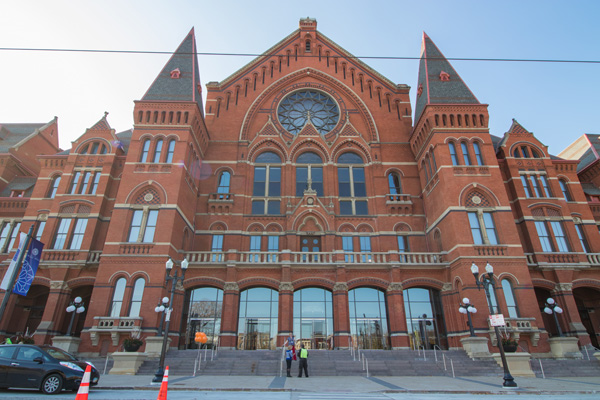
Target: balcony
517, 327
563, 260
114, 326
315, 258
399, 204
14, 204
135, 248
75, 256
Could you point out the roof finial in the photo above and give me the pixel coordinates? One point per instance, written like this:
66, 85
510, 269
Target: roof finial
105, 114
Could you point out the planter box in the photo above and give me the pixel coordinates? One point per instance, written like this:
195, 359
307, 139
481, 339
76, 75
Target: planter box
69, 344
518, 363
127, 363
154, 345
565, 347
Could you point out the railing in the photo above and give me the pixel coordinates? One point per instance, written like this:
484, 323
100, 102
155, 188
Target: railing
220, 197
94, 256
114, 326
282, 358
555, 258
8, 204
593, 258
398, 198
135, 248
299, 257
60, 255
365, 362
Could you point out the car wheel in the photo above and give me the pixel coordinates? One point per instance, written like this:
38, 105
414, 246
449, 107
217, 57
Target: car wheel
52, 384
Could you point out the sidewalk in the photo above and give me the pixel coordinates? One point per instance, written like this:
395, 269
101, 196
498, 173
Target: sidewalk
422, 384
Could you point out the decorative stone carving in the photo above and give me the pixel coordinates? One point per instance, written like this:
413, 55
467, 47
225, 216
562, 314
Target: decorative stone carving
340, 287
563, 287
58, 285
231, 286
286, 286
447, 287
395, 287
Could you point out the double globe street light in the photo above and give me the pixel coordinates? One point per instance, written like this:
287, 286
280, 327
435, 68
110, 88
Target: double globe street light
487, 280
167, 312
76, 307
467, 308
552, 308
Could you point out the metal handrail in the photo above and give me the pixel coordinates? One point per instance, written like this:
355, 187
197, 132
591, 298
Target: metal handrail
365, 362
424, 356
282, 358
435, 351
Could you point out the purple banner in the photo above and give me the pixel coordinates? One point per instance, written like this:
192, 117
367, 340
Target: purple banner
29, 269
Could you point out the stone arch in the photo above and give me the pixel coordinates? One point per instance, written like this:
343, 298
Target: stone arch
95, 139
364, 228
509, 276
140, 190
42, 281
392, 170
252, 282
140, 274
346, 228
274, 227
350, 145
589, 283
477, 195
116, 275
375, 283
423, 282
265, 145
457, 280
314, 218
543, 283
224, 168
332, 87
255, 227
526, 143
306, 145
322, 283
83, 281
203, 281
218, 226
402, 227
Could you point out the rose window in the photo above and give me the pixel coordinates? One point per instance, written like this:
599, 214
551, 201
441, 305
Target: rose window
296, 109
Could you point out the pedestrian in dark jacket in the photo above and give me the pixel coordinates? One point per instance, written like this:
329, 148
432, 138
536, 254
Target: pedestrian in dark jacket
289, 354
303, 356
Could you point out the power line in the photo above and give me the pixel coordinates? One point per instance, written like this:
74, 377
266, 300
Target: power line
300, 55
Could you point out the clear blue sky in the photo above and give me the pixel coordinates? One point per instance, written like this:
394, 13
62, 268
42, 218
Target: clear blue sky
558, 102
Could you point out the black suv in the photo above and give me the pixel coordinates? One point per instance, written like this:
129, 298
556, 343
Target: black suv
46, 368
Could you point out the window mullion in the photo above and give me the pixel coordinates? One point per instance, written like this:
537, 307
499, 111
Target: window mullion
142, 231
482, 227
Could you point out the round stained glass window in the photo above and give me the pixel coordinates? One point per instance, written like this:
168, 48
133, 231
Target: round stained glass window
297, 108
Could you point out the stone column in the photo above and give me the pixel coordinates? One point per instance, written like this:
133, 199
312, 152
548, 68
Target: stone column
397, 318
54, 312
229, 314
285, 313
569, 319
341, 318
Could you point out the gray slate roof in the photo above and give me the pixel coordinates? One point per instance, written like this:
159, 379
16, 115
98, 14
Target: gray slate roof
591, 154
11, 134
436, 91
187, 86
20, 183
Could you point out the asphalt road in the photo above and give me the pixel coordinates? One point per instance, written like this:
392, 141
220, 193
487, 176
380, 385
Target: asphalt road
98, 394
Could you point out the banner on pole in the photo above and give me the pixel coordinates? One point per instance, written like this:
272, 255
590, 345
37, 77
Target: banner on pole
13, 264
29, 269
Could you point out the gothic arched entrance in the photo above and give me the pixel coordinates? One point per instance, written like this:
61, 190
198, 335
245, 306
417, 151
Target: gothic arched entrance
588, 305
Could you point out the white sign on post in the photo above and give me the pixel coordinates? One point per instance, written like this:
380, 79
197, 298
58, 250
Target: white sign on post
168, 312
497, 320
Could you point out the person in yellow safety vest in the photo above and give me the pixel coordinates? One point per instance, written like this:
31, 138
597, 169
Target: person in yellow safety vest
303, 355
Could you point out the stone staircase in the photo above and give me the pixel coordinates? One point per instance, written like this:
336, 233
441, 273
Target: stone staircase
328, 363
565, 368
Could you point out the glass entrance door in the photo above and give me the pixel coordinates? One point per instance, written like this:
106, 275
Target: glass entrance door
206, 325
313, 318
370, 333
313, 334
258, 334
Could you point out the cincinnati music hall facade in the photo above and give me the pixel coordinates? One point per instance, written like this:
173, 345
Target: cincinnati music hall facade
308, 196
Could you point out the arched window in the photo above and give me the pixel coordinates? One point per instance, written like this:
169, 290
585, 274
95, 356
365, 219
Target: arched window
136, 297
53, 187
368, 318
394, 183
158, 151
509, 296
267, 184
103, 149
465, 153
145, 150
352, 186
563, 188
477, 150
94, 148
85, 149
258, 319
453, 155
117, 300
224, 182
170, 151
312, 172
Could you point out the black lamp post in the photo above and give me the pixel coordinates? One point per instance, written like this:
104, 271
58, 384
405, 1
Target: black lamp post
160, 308
487, 281
174, 279
76, 307
467, 308
553, 308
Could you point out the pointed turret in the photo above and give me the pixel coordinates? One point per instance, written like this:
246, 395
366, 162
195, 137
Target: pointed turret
439, 83
179, 80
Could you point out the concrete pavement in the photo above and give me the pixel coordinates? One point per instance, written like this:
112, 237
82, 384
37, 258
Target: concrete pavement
387, 384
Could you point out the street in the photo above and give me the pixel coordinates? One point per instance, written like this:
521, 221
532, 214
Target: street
99, 394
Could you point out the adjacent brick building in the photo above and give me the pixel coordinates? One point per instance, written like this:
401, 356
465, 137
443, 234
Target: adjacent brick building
307, 200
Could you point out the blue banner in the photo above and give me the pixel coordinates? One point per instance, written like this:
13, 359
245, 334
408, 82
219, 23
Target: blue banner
29, 269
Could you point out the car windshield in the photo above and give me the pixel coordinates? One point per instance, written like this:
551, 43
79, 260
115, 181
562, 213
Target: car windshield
59, 354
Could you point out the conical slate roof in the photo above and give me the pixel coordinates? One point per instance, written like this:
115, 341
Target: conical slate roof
439, 83
179, 80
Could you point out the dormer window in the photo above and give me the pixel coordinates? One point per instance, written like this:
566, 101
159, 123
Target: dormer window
444, 76
175, 74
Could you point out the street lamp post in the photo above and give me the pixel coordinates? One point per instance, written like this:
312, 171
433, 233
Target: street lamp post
76, 307
467, 308
174, 279
552, 308
487, 281
160, 308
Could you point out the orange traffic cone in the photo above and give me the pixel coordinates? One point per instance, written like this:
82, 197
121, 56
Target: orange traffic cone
162, 394
84, 387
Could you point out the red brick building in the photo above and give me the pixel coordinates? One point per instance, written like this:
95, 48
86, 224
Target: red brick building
307, 200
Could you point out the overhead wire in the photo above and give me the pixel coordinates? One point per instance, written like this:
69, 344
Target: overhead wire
528, 60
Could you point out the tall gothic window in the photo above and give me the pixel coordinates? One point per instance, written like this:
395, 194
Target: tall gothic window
453, 154
267, 185
53, 187
117, 300
145, 150
352, 186
483, 229
136, 297
394, 183
143, 226
309, 168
